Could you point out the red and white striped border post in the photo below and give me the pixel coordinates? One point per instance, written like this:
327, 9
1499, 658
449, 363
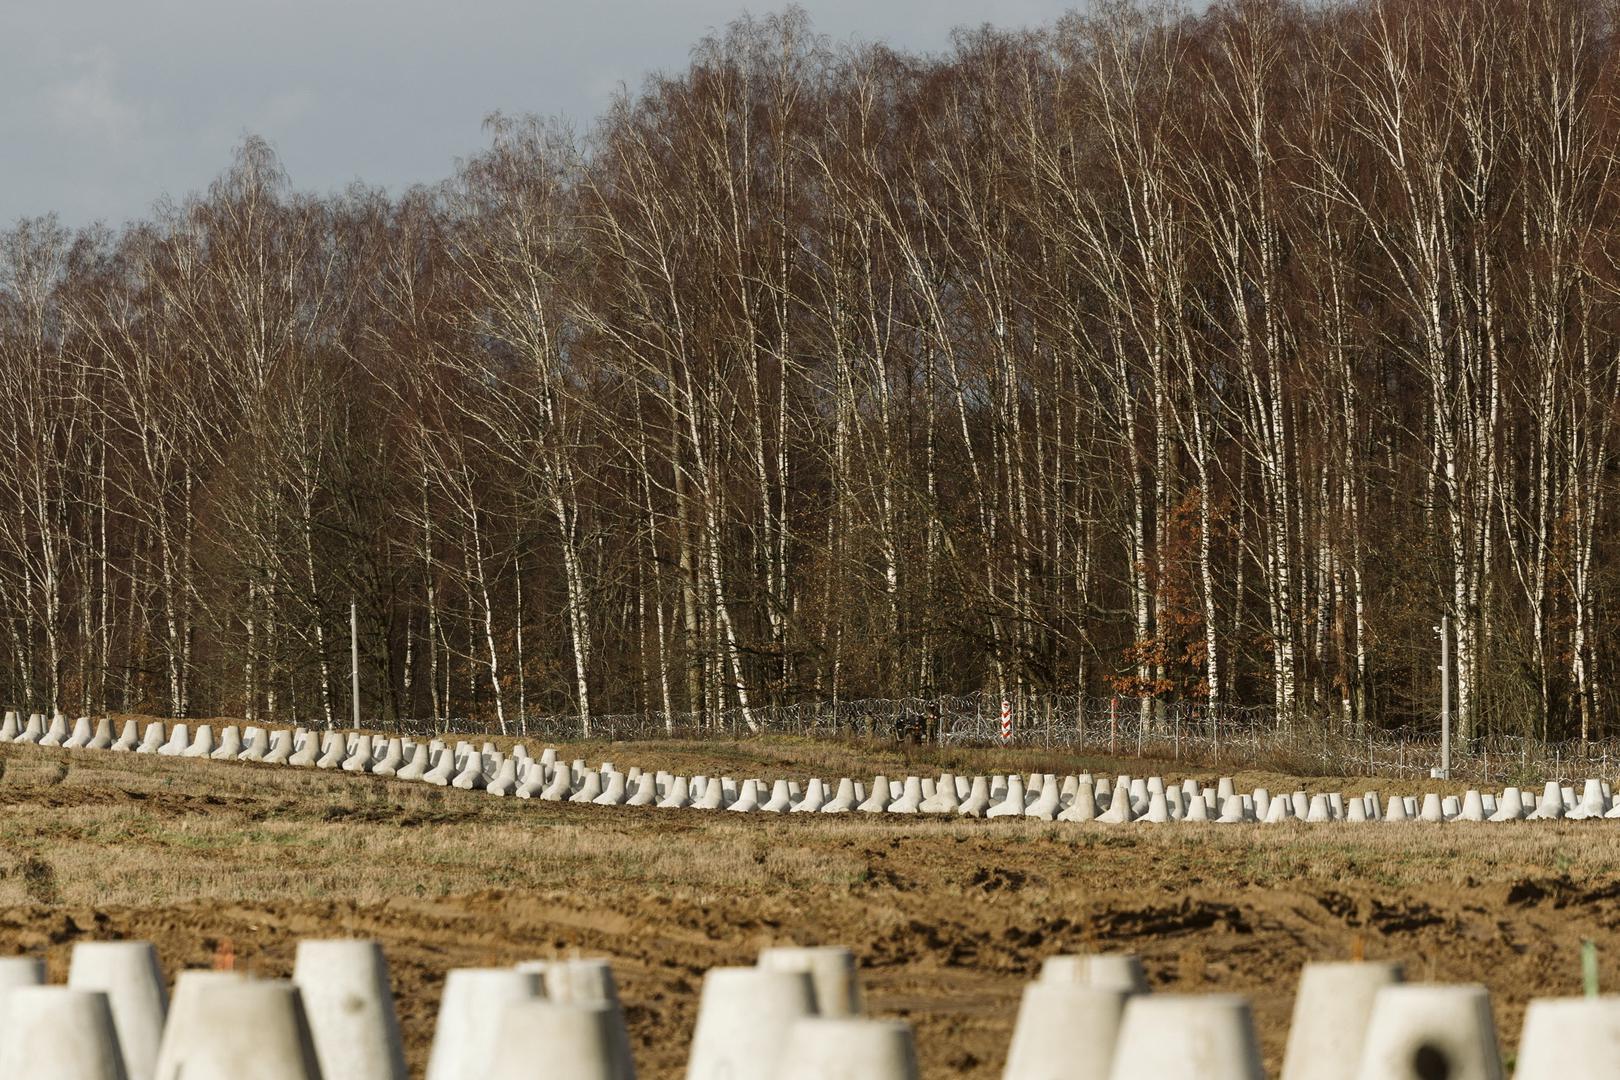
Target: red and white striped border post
1006, 722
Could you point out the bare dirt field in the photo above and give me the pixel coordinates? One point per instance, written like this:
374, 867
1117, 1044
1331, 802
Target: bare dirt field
948, 918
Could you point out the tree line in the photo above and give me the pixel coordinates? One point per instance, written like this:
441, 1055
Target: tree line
1197, 358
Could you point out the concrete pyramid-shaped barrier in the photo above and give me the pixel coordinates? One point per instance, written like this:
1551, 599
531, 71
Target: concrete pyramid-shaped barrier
1511, 806
541, 1039
1262, 803
470, 1012
59, 1033
815, 796
744, 1016
1120, 809
977, 803
1424, 1030
202, 744
1551, 807
614, 792
334, 748
151, 739
1357, 810
1210, 1036
1319, 810
188, 1012
1106, 971
590, 787
1331, 1010
1158, 809
832, 974
262, 1022
80, 736
1397, 810
11, 727
1065, 1029
1012, 805
843, 800
1432, 810
280, 747
561, 784
1197, 809
678, 796
129, 737
875, 803
1083, 807
471, 777
34, 731
417, 766
442, 770
102, 739
1045, 804
1565, 1038
127, 972
18, 971
911, 797
1592, 803
644, 792
747, 801
178, 743
393, 759
1473, 806
359, 759
1450, 807
854, 1049
506, 779
305, 749
1232, 811
350, 1006
57, 733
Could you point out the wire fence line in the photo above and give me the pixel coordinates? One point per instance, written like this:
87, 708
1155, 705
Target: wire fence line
1178, 731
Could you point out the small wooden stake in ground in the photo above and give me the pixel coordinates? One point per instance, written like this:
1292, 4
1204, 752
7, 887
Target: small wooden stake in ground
1589, 968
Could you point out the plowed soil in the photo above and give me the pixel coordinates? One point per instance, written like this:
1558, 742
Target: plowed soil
232, 864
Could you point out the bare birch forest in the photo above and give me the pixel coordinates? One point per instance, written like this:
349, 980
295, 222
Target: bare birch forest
1192, 358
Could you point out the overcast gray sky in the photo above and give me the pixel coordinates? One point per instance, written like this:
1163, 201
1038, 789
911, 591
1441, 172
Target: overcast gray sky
107, 104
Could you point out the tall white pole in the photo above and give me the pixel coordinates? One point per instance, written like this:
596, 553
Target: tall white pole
354, 657
1445, 697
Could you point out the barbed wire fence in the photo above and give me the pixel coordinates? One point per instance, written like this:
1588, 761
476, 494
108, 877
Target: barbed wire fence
1233, 737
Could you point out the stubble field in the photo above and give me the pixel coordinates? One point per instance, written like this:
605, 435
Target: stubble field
234, 863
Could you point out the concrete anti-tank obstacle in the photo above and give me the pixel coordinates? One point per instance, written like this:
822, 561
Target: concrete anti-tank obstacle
747, 801
713, 795
814, 797
1551, 807
254, 1028
188, 1012
1424, 1030
540, 1039
1431, 811
910, 798
103, 737
1565, 1038
1511, 806
1158, 809
831, 969
350, 1006
851, 1049
280, 749
1105, 971
18, 971
178, 743
843, 800
230, 744
57, 733
781, 800
1012, 804
359, 759
417, 766
470, 1012
35, 730
334, 748
1319, 810
614, 792
1120, 811
128, 973
1197, 809
442, 770
1331, 1010
589, 788
678, 796
744, 1015
1231, 810
202, 745
1397, 810
1065, 1029
81, 735
59, 1033
1473, 806
1209, 1036
1044, 807
1279, 810
151, 739
646, 791
560, 784
1592, 804
305, 748
506, 779
393, 758
11, 727
875, 803
1083, 807
1357, 811
976, 803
